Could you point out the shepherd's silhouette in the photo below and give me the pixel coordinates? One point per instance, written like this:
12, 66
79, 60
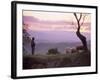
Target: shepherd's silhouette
32, 45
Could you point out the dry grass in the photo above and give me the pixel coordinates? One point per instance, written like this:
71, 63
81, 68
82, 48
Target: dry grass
57, 60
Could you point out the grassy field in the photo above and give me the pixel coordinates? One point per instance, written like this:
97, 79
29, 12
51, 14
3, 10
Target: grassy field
56, 60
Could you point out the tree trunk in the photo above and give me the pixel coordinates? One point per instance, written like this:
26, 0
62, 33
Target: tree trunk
83, 40
79, 35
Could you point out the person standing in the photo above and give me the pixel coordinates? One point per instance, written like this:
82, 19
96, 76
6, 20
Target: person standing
33, 45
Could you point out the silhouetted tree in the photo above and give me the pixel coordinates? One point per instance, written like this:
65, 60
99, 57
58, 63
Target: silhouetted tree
26, 39
79, 24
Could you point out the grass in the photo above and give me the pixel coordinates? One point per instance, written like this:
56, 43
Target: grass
56, 60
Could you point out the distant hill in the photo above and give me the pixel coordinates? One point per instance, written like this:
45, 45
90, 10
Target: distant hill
46, 40
56, 36
42, 48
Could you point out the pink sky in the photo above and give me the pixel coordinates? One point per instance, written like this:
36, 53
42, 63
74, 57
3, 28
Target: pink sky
51, 21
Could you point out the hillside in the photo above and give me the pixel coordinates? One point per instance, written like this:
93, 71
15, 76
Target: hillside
56, 61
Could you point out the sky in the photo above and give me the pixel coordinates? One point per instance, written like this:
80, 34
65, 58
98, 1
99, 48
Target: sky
54, 26
49, 21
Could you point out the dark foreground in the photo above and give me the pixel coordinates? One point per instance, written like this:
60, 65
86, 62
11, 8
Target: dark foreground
56, 60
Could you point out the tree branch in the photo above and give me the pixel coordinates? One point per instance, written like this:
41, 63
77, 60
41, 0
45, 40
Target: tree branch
83, 20
76, 17
74, 24
80, 17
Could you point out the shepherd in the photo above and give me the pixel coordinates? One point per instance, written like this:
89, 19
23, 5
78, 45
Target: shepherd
32, 45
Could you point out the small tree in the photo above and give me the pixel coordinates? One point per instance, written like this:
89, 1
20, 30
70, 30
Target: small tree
78, 33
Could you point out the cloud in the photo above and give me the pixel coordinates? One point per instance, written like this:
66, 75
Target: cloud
37, 24
29, 19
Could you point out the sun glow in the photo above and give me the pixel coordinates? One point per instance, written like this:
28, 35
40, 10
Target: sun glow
53, 21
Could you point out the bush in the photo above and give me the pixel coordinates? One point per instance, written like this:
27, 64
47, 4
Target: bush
53, 51
66, 62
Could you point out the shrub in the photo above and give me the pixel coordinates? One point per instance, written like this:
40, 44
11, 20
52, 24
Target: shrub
53, 51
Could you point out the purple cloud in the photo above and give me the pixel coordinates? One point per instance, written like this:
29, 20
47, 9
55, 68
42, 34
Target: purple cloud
29, 19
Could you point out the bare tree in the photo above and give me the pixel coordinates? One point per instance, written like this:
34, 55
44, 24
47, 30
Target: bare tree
79, 17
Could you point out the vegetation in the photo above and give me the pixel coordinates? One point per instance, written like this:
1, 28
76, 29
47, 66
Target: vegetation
56, 60
78, 33
53, 51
